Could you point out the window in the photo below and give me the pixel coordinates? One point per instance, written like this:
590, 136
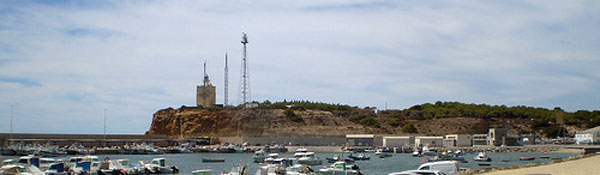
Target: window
425, 173
424, 168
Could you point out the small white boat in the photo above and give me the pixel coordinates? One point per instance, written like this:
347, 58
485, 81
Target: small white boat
271, 157
21, 169
301, 150
379, 153
238, 170
340, 168
202, 172
259, 156
416, 154
482, 157
307, 158
299, 169
159, 166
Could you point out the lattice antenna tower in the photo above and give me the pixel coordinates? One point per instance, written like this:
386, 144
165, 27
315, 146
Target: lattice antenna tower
245, 75
226, 83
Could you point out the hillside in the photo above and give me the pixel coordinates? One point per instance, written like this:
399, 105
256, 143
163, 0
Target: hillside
306, 118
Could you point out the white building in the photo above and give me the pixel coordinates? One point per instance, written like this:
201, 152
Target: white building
429, 141
458, 140
398, 141
590, 136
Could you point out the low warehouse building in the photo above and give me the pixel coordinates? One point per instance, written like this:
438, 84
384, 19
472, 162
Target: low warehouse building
360, 139
429, 140
398, 141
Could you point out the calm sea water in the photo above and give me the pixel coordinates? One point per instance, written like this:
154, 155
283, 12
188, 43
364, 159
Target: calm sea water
376, 166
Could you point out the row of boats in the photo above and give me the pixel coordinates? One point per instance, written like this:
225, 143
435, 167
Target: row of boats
37, 165
135, 149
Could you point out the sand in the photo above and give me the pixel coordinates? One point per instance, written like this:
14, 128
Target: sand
588, 165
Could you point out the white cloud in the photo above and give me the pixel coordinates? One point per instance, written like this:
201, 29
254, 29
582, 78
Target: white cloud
137, 57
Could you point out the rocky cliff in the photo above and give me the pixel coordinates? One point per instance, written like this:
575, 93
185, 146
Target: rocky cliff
189, 122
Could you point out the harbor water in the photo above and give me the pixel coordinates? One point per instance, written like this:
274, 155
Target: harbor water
375, 166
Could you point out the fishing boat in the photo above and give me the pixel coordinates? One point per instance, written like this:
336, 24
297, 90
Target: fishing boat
159, 166
337, 158
20, 169
276, 167
238, 170
202, 172
544, 157
307, 158
209, 160
299, 169
484, 164
259, 156
416, 154
482, 157
526, 158
361, 156
271, 157
340, 168
381, 154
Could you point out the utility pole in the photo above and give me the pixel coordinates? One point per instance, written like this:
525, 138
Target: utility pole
226, 83
11, 124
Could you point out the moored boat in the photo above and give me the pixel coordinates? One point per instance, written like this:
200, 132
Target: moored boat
340, 168
202, 172
307, 158
208, 160
159, 166
337, 158
482, 157
259, 156
526, 158
361, 156
484, 164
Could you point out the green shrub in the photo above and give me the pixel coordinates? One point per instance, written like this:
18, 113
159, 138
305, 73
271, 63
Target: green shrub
409, 128
289, 113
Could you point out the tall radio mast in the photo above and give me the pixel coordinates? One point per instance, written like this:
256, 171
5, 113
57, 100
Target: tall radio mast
245, 77
226, 84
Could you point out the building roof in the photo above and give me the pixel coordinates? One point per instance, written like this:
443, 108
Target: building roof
429, 137
591, 130
396, 137
359, 136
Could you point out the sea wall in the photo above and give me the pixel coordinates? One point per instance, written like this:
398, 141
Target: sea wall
300, 141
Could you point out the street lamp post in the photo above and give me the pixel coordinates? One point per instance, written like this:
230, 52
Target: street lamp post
105, 126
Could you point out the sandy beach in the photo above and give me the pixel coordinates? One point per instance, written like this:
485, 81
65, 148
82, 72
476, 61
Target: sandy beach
588, 165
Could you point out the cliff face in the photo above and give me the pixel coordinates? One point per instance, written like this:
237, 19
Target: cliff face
201, 122
191, 122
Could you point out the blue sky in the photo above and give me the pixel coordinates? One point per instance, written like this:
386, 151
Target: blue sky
63, 62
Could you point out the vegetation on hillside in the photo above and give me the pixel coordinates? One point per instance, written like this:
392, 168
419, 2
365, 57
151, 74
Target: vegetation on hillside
539, 119
409, 128
292, 116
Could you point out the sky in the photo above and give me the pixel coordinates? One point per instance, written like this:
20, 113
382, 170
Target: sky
62, 63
